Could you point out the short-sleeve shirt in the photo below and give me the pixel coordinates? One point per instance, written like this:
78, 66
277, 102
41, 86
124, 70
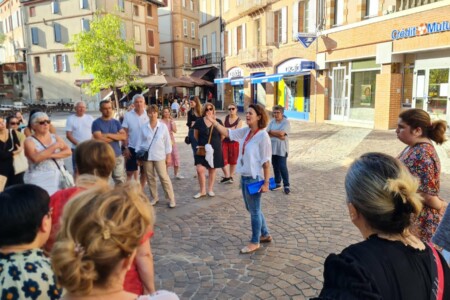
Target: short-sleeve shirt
80, 127
108, 126
280, 147
134, 122
27, 275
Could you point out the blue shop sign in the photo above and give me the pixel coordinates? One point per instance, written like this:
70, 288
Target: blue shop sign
422, 29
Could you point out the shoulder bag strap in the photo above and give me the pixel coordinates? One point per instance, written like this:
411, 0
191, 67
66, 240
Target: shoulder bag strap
12, 140
153, 138
437, 273
210, 134
59, 168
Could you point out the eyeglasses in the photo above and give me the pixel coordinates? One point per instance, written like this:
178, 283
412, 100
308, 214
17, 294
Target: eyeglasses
44, 122
276, 112
14, 123
231, 108
209, 109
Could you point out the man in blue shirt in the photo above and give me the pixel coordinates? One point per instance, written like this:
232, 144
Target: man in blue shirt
109, 130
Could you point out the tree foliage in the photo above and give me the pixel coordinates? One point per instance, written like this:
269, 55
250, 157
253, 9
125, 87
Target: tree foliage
103, 53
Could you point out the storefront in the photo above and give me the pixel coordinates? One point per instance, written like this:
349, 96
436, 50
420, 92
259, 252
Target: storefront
235, 79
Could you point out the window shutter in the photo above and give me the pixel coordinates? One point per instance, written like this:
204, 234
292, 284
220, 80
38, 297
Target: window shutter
55, 7
121, 5
244, 36
269, 27
85, 25
34, 35
55, 64
235, 50
229, 42
312, 17
284, 25
294, 21
123, 32
150, 38
64, 62
57, 31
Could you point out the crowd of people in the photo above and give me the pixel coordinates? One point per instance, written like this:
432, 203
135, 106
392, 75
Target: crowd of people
94, 238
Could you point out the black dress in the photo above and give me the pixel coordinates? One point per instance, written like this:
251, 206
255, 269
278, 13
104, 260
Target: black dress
6, 159
216, 143
381, 269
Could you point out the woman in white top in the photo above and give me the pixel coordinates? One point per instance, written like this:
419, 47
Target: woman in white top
45, 152
255, 152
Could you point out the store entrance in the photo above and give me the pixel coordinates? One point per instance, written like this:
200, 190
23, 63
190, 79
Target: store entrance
339, 102
431, 92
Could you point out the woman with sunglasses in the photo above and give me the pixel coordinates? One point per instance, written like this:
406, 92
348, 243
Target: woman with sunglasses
194, 113
254, 165
9, 147
13, 123
230, 149
205, 133
28, 130
45, 152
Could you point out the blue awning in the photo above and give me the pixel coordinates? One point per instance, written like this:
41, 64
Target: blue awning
221, 80
238, 81
267, 78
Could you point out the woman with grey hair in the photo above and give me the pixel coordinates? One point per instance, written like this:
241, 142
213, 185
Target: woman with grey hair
391, 263
45, 152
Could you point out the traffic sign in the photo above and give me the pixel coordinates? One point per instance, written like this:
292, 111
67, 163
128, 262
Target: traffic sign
306, 39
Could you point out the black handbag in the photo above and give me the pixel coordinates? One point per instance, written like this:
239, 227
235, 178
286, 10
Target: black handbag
187, 140
142, 155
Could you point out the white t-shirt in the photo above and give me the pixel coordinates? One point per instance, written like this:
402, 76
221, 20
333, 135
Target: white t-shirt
175, 106
133, 122
81, 127
258, 150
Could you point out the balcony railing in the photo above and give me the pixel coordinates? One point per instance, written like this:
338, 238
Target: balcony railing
407, 4
206, 59
255, 55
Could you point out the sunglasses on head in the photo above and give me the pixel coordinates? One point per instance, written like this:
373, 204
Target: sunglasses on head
44, 122
231, 108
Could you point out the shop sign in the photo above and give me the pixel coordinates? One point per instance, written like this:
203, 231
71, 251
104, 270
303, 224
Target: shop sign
422, 29
295, 65
306, 39
235, 72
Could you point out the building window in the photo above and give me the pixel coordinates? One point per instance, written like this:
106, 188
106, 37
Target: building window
258, 32
139, 62
150, 38
186, 55
226, 5
84, 4
192, 30
338, 12
55, 7
136, 10
371, 8
85, 25
123, 31
59, 63
183, 3
303, 17
280, 22
203, 11
34, 36
204, 45
213, 42
37, 64
152, 66
149, 11
39, 93
213, 8
32, 11
185, 27
226, 45
121, 5
57, 32
191, 4
193, 53
137, 34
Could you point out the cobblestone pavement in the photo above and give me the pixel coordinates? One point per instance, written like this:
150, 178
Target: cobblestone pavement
196, 246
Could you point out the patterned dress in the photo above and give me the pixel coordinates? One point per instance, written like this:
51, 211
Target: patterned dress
423, 162
27, 275
175, 157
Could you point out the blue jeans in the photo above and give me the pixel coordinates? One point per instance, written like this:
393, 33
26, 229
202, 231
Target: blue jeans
193, 140
280, 170
253, 206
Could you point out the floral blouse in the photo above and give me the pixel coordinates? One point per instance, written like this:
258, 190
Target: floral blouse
27, 275
423, 162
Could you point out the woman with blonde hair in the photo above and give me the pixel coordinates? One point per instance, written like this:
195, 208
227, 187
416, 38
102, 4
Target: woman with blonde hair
417, 131
391, 263
100, 233
166, 118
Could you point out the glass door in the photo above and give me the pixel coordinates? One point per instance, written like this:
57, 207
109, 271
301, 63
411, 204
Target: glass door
339, 105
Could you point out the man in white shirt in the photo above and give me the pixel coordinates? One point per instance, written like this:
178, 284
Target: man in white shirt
132, 124
78, 128
175, 107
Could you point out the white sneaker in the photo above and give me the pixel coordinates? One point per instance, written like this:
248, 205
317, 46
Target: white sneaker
172, 204
179, 177
154, 201
211, 194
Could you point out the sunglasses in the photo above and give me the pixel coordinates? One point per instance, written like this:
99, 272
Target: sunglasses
14, 123
44, 122
209, 109
231, 108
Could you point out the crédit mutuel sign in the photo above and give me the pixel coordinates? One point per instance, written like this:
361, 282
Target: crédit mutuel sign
422, 29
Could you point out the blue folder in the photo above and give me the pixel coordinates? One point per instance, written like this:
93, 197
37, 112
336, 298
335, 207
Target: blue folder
254, 187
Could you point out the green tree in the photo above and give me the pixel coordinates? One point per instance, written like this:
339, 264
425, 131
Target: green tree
103, 53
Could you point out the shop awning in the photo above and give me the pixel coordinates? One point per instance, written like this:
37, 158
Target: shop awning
295, 74
237, 81
200, 73
222, 80
267, 78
